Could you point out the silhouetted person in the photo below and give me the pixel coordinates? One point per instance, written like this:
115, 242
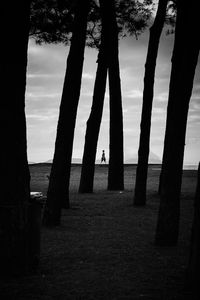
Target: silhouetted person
103, 157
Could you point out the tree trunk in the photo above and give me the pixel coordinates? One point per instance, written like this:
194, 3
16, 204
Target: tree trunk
145, 126
184, 61
15, 182
116, 155
94, 121
193, 269
58, 191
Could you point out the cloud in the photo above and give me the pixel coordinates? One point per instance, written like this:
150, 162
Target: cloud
88, 76
46, 71
161, 97
134, 94
43, 76
39, 96
41, 117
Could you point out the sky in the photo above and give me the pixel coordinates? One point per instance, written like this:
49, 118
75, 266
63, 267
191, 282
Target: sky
45, 76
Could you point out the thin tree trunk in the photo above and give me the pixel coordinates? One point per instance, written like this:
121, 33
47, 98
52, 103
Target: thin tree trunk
93, 127
116, 148
94, 121
15, 182
145, 126
58, 191
184, 62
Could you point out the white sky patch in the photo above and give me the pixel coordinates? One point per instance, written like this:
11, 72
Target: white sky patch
88, 76
195, 97
158, 120
195, 105
87, 94
34, 49
193, 118
162, 97
125, 111
38, 96
46, 76
131, 131
196, 88
134, 94
41, 117
158, 110
46, 70
85, 108
158, 116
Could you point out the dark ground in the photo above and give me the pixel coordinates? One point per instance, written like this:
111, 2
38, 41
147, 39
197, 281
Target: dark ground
104, 248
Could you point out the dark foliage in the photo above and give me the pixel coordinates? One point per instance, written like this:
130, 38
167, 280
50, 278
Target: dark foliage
52, 20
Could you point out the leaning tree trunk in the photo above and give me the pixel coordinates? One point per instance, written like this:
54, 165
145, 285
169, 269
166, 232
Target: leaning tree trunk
184, 62
15, 182
116, 148
94, 121
145, 126
58, 191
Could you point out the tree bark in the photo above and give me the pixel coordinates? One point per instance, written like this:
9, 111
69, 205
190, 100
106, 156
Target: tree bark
15, 182
184, 61
145, 126
116, 148
58, 190
94, 121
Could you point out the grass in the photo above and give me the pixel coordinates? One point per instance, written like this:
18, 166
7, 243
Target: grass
104, 248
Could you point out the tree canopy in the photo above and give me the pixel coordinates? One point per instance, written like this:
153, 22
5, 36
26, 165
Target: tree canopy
52, 20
